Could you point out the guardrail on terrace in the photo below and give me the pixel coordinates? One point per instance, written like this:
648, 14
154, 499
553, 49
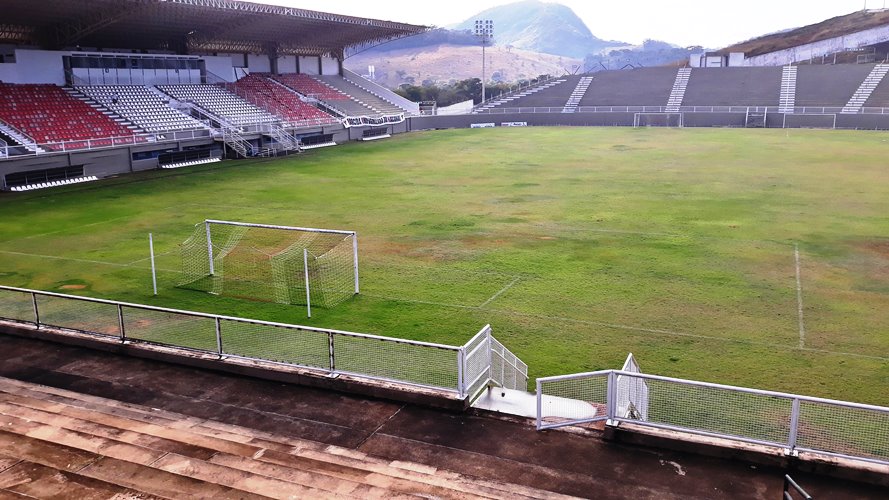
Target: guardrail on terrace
806, 110
793, 422
106, 142
407, 362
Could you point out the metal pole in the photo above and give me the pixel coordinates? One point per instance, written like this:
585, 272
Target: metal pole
306, 269
539, 405
153, 270
484, 42
330, 352
209, 247
355, 259
461, 384
219, 337
36, 311
610, 403
794, 425
123, 332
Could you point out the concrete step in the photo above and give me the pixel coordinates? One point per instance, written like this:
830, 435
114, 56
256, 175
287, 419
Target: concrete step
123, 473
217, 449
32, 480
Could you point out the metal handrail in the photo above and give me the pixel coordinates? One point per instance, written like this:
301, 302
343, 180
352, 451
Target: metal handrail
232, 318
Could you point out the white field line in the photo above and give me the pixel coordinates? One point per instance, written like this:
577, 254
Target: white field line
67, 229
507, 287
631, 328
86, 261
799, 299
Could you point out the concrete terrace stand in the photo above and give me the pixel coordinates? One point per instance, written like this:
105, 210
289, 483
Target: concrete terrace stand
428, 435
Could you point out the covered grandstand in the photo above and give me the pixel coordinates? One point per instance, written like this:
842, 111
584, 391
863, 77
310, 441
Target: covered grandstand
120, 86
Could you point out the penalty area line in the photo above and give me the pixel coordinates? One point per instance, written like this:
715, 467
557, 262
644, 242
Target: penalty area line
502, 290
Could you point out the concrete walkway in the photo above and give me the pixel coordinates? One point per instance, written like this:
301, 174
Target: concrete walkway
473, 444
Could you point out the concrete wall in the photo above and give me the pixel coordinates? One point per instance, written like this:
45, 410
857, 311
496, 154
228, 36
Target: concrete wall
36, 66
808, 51
330, 66
308, 65
220, 66
287, 64
259, 63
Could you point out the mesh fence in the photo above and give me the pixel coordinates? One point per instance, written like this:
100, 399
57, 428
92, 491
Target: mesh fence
170, 328
275, 343
16, 306
732, 413
844, 430
417, 364
83, 315
269, 264
573, 400
475, 364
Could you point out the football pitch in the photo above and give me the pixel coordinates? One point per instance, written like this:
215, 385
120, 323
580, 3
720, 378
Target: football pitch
747, 257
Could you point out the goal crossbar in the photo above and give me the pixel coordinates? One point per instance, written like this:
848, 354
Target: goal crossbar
285, 228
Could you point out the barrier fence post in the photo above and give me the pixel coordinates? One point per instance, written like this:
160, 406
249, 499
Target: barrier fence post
461, 383
794, 425
219, 336
539, 404
330, 352
36, 311
123, 333
611, 391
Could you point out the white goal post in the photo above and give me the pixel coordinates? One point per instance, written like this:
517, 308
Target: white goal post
284, 264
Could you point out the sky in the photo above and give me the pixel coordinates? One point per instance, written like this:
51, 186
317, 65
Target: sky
712, 24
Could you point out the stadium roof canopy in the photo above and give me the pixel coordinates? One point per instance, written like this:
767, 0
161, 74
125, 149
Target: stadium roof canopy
185, 26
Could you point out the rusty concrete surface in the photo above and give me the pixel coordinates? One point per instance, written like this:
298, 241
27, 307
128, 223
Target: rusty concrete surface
500, 449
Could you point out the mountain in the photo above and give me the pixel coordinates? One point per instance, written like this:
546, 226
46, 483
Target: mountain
537, 26
444, 63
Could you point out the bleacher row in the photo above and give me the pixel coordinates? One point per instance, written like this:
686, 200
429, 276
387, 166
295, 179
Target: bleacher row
57, 118
817, 86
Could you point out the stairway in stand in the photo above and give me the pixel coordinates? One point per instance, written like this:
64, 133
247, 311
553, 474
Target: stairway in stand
55, 442
677, 93
787, 98
577, 94
867, 87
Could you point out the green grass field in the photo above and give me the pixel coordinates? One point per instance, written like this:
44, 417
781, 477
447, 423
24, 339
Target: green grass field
578, 245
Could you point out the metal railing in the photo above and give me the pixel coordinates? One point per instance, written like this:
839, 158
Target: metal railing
793, 422
487, 362
46, 148
401, 361
801, 110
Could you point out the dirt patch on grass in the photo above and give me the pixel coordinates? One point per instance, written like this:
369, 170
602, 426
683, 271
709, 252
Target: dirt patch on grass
72, 287
877, 247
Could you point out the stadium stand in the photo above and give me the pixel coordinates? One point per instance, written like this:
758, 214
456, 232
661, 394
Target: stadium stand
279, 100
331, 97
550, 94
142, 107
733, 87
48, 114
831, 86
361, 95
220, 103
637, 87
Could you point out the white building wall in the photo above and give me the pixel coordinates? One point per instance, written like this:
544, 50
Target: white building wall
287, 64
259, 63
38, 66
824, 47
220, 66
330, 66
308, 65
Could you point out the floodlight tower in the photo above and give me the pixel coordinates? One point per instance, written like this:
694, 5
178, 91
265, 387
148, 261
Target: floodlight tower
484, 30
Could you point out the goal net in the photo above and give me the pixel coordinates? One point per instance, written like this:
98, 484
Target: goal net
657, 120
288, 265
